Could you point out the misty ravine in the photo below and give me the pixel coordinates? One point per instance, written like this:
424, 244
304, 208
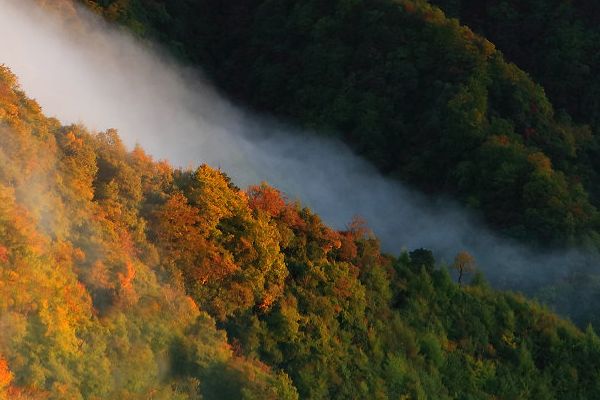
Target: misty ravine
100, 76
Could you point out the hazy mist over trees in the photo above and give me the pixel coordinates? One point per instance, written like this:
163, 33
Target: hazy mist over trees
142, 257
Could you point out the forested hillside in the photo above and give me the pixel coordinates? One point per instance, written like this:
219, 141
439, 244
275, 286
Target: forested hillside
87, 308
424, 98
122, 277
557, 42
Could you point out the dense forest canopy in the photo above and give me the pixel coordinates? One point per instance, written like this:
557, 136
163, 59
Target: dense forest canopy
495, 108
125, 277
422, 97
88, 309
122, 277
555, 41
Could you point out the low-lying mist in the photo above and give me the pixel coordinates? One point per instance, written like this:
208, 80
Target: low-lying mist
82, 70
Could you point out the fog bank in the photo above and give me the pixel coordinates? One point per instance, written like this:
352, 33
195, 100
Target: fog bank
100, 76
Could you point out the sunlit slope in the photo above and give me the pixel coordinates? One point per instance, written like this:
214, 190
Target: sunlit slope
425, 99
87, 309
116, 270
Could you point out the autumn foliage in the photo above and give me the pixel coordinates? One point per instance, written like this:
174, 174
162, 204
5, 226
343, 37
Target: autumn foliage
126, 278
95, 246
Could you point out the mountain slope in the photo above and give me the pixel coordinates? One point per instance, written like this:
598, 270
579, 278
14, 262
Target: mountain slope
563, 55
86, 309
425, 99
107, 258
555, 41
